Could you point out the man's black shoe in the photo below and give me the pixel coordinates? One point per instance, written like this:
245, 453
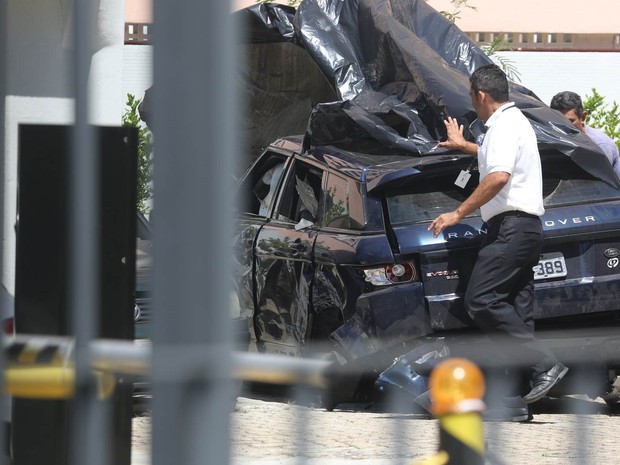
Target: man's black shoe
542, 383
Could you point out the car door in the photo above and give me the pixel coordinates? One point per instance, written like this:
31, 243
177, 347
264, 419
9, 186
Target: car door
339, 254
284, 267
256, 194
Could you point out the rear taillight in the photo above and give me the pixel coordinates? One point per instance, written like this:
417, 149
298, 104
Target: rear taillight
8, 326
391, 274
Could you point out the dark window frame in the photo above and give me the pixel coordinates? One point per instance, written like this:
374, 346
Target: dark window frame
247, 191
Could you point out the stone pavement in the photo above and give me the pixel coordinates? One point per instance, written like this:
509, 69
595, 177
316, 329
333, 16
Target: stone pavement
272, 432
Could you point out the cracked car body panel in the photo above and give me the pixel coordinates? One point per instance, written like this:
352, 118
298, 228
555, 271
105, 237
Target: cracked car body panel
284, 273
243, 245
339, 277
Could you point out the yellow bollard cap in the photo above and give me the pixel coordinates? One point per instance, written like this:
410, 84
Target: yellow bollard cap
456, 386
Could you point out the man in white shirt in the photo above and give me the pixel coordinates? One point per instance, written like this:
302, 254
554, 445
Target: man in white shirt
499, 296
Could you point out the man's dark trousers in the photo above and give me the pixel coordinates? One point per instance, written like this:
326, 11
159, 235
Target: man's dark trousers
499, 296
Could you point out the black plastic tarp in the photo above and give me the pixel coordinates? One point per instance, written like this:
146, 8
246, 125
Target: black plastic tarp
400, 68
278, 81
384, 72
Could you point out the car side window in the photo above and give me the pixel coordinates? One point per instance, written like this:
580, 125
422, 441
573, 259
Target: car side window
258, 189
301, 197
344, 207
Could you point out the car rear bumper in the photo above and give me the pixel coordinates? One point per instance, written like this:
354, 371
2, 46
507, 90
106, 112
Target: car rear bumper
384, 318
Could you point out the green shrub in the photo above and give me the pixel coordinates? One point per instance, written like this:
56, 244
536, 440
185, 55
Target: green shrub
131, 118
602, 116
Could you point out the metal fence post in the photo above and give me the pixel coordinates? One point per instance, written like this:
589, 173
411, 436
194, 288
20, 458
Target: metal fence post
3, 310
194, 133
87, 427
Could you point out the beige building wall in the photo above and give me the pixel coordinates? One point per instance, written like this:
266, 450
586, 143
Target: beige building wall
139, 11
536, 24
559, 16
533, 24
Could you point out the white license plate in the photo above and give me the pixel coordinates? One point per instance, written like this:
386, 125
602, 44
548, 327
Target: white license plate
550, 265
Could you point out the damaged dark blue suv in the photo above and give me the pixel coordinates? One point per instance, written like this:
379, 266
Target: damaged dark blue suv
332, 241
333, 245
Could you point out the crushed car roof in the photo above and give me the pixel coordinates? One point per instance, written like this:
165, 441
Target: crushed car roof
373, 169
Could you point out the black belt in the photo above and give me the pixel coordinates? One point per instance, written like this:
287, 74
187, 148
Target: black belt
518, 213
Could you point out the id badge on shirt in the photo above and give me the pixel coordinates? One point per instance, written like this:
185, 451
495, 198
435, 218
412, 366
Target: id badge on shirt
463, 178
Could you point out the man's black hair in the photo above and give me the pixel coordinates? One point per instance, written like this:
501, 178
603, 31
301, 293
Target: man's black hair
491, 80
567, 101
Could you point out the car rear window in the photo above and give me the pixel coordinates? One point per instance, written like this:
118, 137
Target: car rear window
423, 198
576, 191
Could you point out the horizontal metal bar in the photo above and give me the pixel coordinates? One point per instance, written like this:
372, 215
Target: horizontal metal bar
280, 369
578, 346
134, 357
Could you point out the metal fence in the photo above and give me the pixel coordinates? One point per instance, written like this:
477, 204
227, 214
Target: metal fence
295, 415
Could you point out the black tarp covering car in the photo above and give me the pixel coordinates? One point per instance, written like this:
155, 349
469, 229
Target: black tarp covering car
278, 82
396, 69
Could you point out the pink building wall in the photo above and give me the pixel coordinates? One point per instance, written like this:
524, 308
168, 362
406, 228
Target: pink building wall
569, 16
139, 11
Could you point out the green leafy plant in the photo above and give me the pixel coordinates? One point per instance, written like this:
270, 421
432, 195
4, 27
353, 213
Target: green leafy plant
458, 6
499, 44
602, 116
131, 118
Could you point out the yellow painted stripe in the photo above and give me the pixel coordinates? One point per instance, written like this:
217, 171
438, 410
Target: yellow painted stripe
440, 458
466, 427
58, 359
106, 383
28, 355
39, 382
49, 382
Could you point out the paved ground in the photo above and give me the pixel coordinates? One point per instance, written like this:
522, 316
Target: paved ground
264, 434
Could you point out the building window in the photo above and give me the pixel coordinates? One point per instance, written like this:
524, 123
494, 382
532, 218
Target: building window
618, 39
523, 38
537, 38
480, 37
567, 38
508, 37
137, 33
552, 38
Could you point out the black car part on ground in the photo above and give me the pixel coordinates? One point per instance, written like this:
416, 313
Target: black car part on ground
591, 350
397, 69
